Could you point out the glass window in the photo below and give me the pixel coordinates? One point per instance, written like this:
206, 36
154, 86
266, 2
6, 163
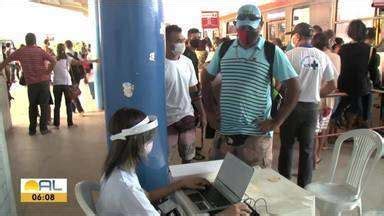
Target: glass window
349, 10
300, 15
276, 29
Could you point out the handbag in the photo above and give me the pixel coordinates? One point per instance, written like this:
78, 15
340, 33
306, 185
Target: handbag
74, 91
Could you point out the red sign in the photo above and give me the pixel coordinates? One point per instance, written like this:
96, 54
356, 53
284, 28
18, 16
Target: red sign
210, 19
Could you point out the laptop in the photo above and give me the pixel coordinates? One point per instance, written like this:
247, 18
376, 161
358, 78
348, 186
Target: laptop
227, 189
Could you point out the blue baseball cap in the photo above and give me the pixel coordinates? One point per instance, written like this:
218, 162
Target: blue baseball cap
248, 15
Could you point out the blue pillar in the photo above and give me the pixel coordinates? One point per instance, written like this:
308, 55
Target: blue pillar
93, 14
132, 44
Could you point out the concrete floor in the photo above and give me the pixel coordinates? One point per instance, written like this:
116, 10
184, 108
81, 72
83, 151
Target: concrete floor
78, 154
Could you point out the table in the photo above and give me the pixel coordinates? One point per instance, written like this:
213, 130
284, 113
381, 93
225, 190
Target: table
283, 196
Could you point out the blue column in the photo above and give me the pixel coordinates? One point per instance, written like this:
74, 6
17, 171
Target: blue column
132, 42
93, 14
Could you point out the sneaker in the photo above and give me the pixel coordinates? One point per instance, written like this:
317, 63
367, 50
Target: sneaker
57, 127
32, 133
44, 132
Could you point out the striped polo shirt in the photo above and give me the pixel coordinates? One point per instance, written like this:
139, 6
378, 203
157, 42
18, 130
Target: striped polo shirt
245, 92
32, 59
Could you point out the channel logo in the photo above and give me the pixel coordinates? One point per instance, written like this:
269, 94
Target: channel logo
43, 190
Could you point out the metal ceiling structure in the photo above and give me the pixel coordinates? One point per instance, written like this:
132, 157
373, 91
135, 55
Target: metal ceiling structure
76, 5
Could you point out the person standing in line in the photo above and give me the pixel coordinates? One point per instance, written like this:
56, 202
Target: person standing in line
192, 43
356, 76
61, 83
182, 90
37, 76
321, 42
246, 124
77, 73
313, 67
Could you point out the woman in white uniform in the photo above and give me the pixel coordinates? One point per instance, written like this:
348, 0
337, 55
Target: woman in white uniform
121, 193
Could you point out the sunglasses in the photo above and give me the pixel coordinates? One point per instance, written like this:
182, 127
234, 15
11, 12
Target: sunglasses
250, 17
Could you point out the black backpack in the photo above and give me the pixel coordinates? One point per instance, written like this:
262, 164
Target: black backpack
269, 52
77, 71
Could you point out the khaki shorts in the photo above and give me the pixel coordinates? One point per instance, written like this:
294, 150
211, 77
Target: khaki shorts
256, 151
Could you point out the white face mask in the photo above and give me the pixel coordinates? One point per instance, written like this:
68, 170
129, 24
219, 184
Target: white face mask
178, 49
148, 147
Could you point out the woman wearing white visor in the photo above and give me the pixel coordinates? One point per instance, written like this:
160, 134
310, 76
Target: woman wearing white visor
121, 193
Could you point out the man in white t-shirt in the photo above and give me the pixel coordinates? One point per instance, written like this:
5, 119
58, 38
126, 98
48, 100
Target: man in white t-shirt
313, 68
181, 89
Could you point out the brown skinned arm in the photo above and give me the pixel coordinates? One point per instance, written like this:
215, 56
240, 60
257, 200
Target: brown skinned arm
165, 191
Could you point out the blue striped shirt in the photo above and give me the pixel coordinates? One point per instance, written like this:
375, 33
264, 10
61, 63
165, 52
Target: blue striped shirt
245, 92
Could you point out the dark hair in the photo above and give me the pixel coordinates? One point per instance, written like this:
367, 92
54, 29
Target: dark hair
193, 31
68, 44
320, 41
61, 51
30, 39
127, 152
46, 41
277, 42
171, 28
317, 28
371, 33
329, 34
338, 42
357, 30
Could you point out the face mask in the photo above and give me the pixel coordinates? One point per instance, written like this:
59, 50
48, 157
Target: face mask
247, 37
194, 43
178, 49
148, 147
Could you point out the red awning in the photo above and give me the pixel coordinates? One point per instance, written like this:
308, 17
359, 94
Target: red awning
378, 3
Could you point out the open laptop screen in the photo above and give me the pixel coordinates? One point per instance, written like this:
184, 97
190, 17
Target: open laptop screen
235, 174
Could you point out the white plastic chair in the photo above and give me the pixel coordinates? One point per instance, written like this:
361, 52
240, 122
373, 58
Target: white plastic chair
333, 198
83, 192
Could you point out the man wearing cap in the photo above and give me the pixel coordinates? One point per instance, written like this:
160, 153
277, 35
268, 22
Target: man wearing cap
316, 76
245, 101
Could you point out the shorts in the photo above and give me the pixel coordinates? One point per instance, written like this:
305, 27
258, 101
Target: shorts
183, 134
256, 150
323, 120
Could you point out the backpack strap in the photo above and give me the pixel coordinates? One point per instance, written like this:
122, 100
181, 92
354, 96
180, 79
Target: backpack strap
224, 48
269, 52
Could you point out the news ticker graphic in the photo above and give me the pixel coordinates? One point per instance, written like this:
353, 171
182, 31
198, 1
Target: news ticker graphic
48, 190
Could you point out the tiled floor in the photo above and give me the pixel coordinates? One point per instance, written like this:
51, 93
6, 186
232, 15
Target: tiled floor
78, 154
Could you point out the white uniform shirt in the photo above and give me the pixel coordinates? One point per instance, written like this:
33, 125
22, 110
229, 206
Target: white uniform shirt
313, 67
121, 194
61, 74
179, 76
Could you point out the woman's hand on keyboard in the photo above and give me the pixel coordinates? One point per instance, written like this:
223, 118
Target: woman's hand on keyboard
194, 183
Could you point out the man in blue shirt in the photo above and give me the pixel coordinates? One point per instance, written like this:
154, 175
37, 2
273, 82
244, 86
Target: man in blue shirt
245, 100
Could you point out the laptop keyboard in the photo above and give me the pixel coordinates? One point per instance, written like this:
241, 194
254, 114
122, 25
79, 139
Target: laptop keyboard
214, 197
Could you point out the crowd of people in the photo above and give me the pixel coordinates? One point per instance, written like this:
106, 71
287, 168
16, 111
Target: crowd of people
236, 96
39, 69
240, 82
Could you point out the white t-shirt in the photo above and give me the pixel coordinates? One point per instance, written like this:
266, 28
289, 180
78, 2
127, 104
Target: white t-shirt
179, 77
121, 194
335, 59
313, 67
61, 74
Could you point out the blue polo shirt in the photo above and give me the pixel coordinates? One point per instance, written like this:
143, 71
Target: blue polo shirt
245, 96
